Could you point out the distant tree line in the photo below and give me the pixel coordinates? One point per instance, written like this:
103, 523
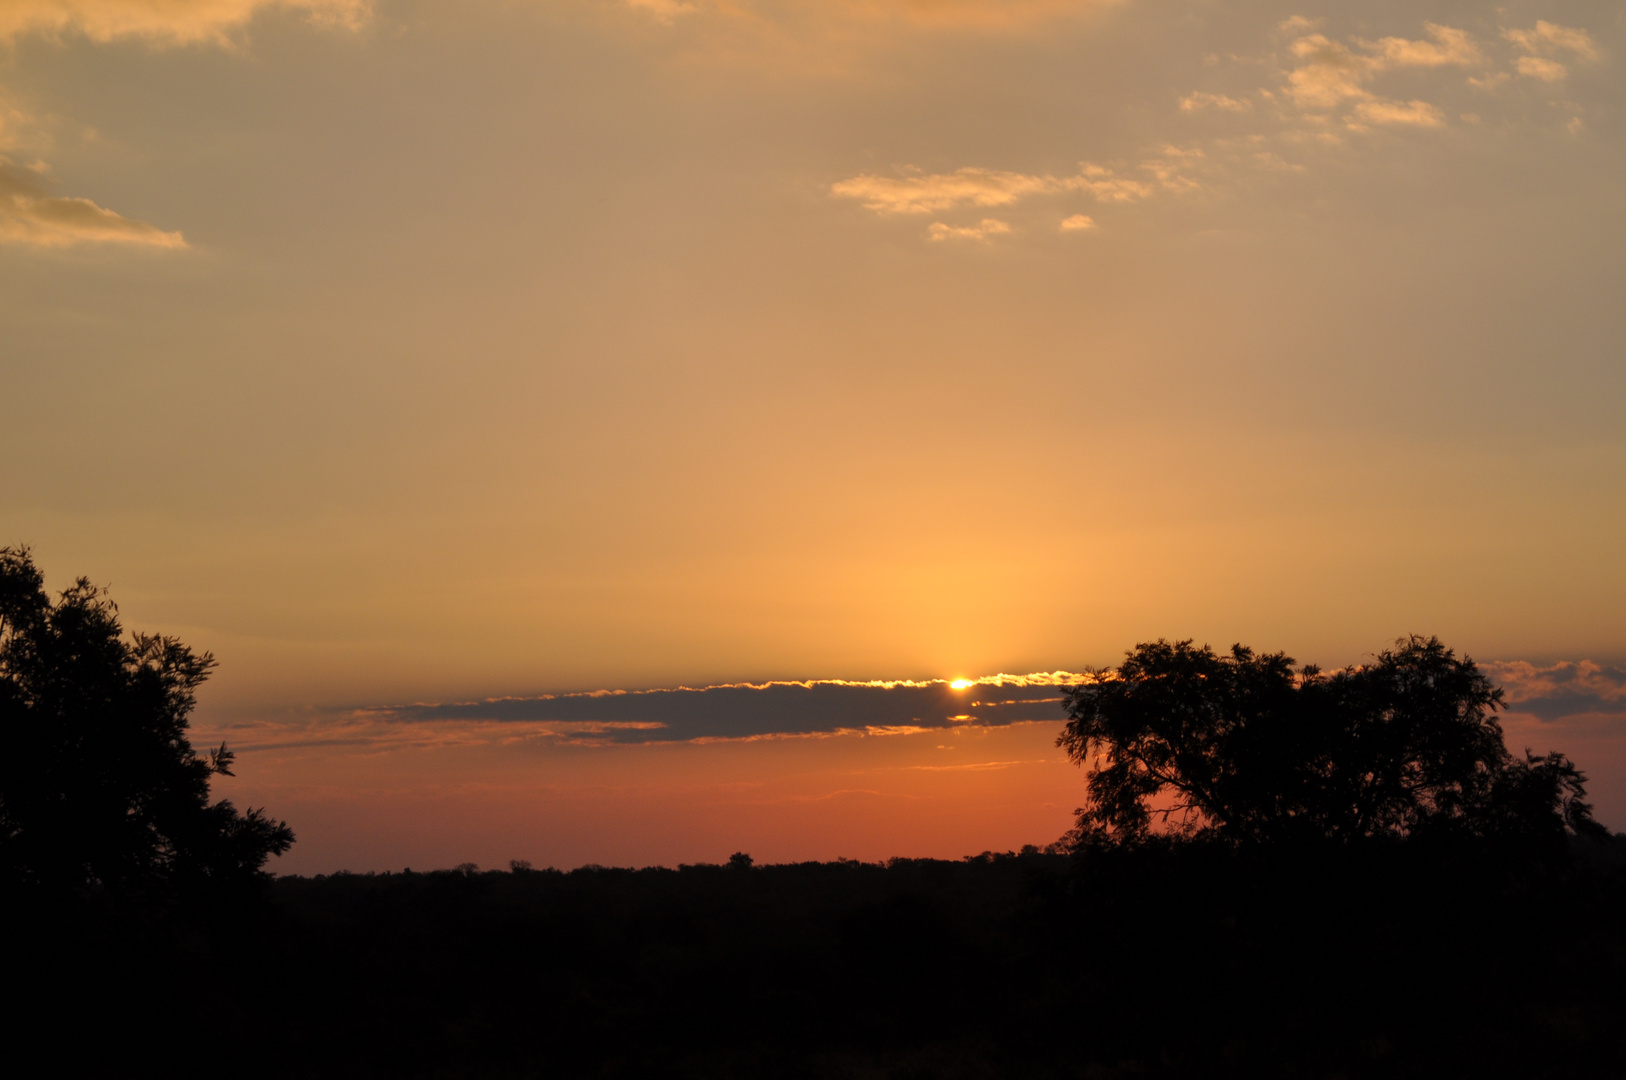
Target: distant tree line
1277, 872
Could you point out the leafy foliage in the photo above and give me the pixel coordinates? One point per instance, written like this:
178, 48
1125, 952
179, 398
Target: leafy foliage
99, 786
1244, 749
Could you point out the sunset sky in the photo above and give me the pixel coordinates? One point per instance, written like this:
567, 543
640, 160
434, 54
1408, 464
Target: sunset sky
412, 354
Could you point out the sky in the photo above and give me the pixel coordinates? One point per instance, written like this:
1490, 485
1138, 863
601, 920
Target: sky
412, 355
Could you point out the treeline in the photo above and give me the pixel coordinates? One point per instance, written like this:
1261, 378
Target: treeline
1175, 960
1276, 872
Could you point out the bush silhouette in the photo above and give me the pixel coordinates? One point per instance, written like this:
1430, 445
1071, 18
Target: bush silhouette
100, 788
1242, 749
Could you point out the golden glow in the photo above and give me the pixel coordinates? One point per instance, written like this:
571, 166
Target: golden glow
668, 370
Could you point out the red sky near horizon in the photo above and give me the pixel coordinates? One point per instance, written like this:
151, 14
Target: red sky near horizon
371, 793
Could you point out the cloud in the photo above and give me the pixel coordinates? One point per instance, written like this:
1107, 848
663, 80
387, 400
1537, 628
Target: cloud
1201, 99
175, 22
1449, 47
926, 194
1538, 67
816, 708
1077, 223
1546, 37
1544, 40
666, 11
31, 216
923, 14
981, 231
1410, 113
742, 711
923, 194
1567, 688
1330, 73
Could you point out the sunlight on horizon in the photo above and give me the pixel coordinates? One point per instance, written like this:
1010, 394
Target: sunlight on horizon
403, 351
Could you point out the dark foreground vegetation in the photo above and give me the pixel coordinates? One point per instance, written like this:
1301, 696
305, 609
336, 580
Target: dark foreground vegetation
1275, 873
1164, 961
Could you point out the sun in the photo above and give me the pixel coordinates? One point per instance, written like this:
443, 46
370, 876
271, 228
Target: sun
961, 684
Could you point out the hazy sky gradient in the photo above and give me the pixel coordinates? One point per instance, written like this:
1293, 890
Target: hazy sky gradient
787, 771
420, 351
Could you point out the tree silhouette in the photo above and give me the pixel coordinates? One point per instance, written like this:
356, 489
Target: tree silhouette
1242, 748
99, 786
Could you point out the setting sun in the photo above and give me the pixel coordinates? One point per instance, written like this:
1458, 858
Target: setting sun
593, 426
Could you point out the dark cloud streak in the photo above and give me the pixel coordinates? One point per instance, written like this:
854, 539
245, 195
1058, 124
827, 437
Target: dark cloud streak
766, 710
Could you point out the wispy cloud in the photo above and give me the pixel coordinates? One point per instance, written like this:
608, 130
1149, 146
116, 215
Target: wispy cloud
1546, 37
1330, 85
757, 710
176, 22
969, 186
1201, 99
1445, 46
666, 11
736, 712
923, 14
1567, 688
1330, 88
31, 216
1544, 40
916, 193
1402, 113
811, 709
1330, 74
981, 231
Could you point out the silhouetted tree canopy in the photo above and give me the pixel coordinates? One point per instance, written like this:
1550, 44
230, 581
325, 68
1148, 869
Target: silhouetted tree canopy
99, 786
1242, 748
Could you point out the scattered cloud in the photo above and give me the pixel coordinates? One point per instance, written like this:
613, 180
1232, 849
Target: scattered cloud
31, 216
1567, 688
1077, 223
923, 14
1449, 46
1539, 67
1548, 38
1201, 99
172, 22
1339, 81
666, 11
1165, 172
1330, 74
1410, 113
979, 766
1108, 186
927, 194
981, 231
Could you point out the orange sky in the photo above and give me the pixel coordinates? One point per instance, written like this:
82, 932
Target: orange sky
410, 351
